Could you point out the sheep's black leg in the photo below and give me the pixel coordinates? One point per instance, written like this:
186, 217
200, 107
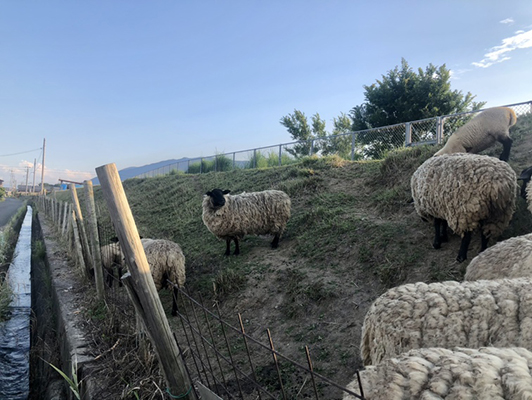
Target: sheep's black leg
237, 247
228, 247
462, 253
174, 302
275, 241
506, 146
110, 276
483, 242
120, 276
437, 233
444, 237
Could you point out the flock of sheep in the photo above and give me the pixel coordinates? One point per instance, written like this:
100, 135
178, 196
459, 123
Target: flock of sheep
460, 340
420, 341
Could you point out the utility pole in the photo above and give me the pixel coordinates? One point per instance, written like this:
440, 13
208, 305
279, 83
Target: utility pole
27, 172
34, 168
42, 169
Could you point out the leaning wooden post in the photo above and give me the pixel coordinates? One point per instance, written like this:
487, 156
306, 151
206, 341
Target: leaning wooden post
82, 234
65, 220
77, 242
95, 241
142, 288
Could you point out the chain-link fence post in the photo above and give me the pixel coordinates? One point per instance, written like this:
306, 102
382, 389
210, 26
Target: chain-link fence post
408, 134
439, 130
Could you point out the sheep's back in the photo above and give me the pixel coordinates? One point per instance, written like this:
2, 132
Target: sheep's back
166, 261
448, 314
464, 189
511, 258
460, 373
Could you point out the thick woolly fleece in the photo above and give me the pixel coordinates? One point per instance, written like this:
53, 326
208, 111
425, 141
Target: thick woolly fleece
466, 190
487, 373
256, 213
448, 314
112, 258
511, 258
481, 132
166, 261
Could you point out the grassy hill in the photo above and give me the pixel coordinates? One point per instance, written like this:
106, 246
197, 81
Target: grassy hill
353, 234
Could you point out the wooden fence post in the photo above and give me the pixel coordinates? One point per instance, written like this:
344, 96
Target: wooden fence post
77, 242
65, 220
82, 233
95, 241
142, 289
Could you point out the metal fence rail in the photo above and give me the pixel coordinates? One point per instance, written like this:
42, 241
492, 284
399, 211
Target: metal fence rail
370, 144
234, 365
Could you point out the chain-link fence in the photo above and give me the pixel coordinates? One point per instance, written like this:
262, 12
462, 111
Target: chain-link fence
370, 144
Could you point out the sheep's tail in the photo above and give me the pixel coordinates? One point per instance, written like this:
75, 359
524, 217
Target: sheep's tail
366, 341
513, 117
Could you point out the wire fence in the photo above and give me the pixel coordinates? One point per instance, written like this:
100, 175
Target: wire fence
370, 144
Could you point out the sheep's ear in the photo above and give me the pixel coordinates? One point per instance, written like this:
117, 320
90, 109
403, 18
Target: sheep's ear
226, 192
526, 174
114, 239
208, 194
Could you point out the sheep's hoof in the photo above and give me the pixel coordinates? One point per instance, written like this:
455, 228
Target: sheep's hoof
460, 259
436, 245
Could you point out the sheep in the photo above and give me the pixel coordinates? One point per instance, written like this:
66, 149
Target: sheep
490, 126
231, 217
448, 314
112, 258
465, 192
526, 189
167, 263
461, 373
511, 258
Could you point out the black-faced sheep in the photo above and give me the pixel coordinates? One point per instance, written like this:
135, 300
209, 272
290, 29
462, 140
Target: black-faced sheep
448, 314
112, 259
167, 263
465, 192
487, 128
231, 217
511, 258
461, 373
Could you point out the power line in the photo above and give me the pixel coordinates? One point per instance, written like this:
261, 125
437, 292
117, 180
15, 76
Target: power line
22, 152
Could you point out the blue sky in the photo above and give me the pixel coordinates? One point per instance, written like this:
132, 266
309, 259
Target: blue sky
135, 82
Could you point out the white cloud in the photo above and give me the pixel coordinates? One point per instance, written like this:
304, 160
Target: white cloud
507, 21
498, 54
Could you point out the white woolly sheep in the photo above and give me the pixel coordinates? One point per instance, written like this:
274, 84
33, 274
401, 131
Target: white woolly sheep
436, 373
231, 217
112, 258
483, 131
465, 192
448, 314
167, 263
511, 258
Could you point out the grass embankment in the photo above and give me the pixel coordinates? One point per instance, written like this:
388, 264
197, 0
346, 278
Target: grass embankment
8, 242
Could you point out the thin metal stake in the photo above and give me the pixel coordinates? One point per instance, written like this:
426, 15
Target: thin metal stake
247, 349
360, 384
229, 351
311, 371
276, 363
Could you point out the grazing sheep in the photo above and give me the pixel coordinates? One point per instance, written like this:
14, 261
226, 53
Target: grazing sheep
511, 258
448, 314
483, 131
465, 192
436, 373
167, 263
112, 258
231, 217
526, 189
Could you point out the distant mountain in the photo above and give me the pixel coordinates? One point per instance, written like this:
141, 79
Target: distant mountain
131, 172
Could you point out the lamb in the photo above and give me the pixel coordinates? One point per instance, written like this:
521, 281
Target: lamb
465, 192
448, 314
490, 126
461, 373
511, 258
112, 258
231, 217
167, 263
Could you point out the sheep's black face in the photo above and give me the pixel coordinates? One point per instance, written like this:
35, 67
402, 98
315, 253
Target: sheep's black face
525, 176
217, 197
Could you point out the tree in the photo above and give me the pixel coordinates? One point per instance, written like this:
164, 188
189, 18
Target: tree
300, 130
340, 141
2, 193
403, 95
